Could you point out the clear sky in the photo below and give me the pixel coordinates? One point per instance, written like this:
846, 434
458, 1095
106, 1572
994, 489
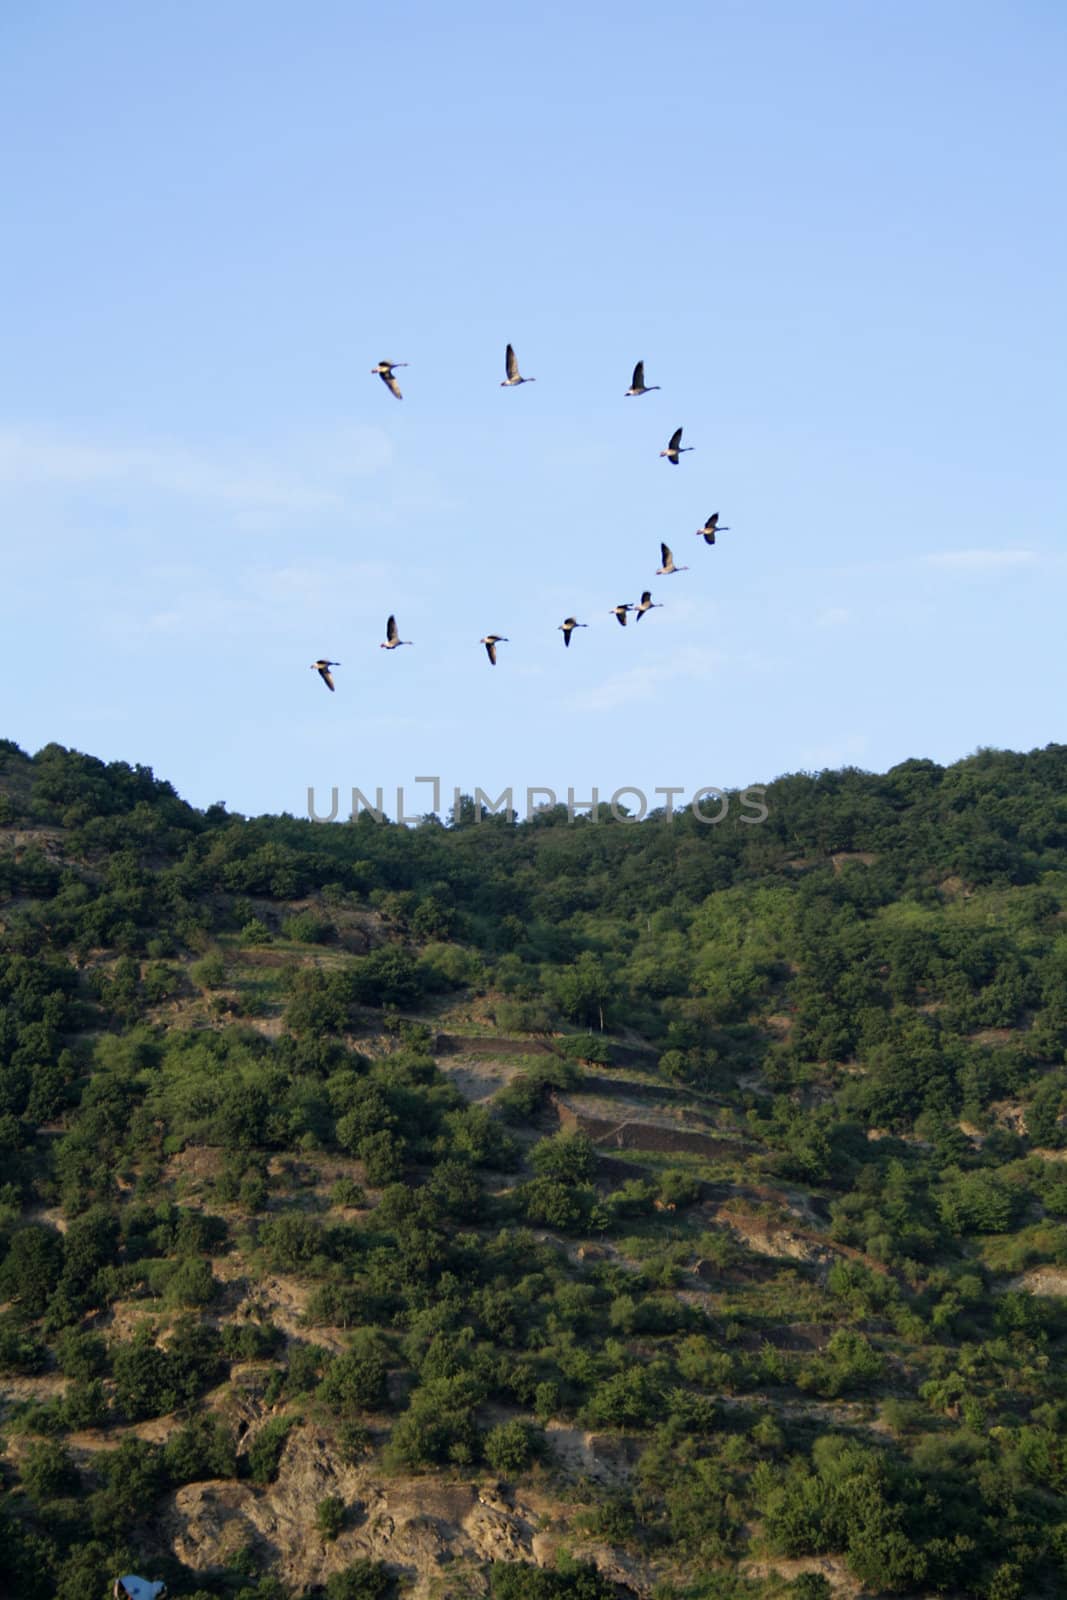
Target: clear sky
834, 231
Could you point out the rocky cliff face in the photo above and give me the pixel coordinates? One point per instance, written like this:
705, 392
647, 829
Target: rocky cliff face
437, 1535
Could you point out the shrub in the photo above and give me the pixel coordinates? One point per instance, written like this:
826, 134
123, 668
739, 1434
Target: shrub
439, 1424
135, 1476
202, 1449
81, 1355
546, 1401
85, 1404
208, 973
363, 1580
48, 1471
678, 1188
635, 1198
576, 1580
32, 1268
20, 1352
549, 1203
251, 1341
290, 1241
631, 1398
591, 1048
387, 977
509, 1447
330, 1516
142, 1377
382, 1155
88, 1570
567, 1157
193, 1357
810, 1586
265, 1451
519, 1099
253, 1193
193, 1284
347, 1192
306, 928
356, 1379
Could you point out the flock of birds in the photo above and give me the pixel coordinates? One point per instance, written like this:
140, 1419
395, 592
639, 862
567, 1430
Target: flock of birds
386, 370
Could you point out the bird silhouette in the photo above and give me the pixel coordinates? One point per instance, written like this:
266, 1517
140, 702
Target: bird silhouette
512, 366
491, 641
637, 382
711, 528
619, 613
323, 670
567, 627
393, 641
676, 448
668, 563
384, 369
647, 604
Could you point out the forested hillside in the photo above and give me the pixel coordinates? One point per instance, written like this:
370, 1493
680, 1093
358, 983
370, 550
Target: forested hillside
550, 1209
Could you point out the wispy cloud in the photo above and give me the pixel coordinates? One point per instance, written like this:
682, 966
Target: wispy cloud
843, 752
261, 601
300, 475
980, 560
316, 582
639, 685
833, 617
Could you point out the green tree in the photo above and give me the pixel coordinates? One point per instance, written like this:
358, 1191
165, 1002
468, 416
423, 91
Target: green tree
439, 1425
265, 1451
143, 1386
356, 1379
330, 1517
134, 1477
81, 1355
565, 1157
510, 1447
552, 1204
382, 1155
810, 1586
387, 977
627, 1399
85, 1405
363, 1580
202, 1449
193, 1283
32, 1268
48, 1471
585, 990
1042, 1114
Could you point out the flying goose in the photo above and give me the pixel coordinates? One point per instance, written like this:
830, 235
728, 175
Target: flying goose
638, 384
675, 448
512, 365
392, 636
491, 641
384, 369
711, 528
323, 670
567, 627
619, 613
668, 563
647, 604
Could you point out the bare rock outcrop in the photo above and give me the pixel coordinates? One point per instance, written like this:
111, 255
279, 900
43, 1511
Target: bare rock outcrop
419, 1526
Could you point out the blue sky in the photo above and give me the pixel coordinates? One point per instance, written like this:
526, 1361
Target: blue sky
835, 234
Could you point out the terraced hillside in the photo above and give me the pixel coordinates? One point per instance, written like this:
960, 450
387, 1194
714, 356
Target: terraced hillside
535, 1210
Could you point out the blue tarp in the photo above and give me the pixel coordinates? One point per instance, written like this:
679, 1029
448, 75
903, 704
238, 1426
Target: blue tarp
138, 1588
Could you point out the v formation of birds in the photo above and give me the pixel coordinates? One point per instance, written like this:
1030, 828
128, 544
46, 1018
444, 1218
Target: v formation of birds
386, 370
